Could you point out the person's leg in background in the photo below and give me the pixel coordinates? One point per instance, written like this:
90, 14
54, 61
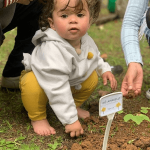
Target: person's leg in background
148, 40
26, 20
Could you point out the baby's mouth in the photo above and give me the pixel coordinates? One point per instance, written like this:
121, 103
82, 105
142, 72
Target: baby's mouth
73, 29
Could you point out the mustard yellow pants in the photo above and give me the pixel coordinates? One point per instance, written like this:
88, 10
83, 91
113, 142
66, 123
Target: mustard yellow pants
34, 98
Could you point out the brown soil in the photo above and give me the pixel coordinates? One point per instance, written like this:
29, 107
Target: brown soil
123, 135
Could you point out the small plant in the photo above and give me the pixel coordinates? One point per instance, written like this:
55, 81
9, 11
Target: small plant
113, 134
130, 142
12, 145
29, 147
120, 112
28, 127
137, 119
9, 125
101, 130
144, 110
89, 127
57, 143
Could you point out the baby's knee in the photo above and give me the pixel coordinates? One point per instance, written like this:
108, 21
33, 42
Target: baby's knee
29, 84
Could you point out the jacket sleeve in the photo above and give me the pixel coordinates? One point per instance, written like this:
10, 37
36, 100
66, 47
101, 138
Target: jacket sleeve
52, 72
130, 28
102, 66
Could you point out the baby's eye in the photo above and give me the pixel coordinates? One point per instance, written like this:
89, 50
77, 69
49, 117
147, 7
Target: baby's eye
64, 16
80, 15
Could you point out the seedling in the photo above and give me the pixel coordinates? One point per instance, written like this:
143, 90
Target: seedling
57, 143
28, 127
120, 112
9, 125
139, 117
130, 142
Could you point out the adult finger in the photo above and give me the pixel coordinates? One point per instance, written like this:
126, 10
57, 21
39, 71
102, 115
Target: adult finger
124, 89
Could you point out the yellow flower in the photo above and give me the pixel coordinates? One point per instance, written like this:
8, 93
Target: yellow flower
118, 104
103, 109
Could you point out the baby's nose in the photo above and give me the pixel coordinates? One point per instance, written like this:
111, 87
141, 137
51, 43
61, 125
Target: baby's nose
73, 19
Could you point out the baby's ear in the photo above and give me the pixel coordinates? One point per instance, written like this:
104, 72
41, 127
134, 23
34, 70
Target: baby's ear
51, 23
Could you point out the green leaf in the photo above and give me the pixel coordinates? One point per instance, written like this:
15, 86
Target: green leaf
128, 117
145, 111
120, 112
130, 142
144, 117
20, 138
2, 141
10, 145
137, 119
145, 108
9, 142
53, 146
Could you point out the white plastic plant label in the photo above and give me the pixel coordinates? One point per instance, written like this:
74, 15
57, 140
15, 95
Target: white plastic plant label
110, 103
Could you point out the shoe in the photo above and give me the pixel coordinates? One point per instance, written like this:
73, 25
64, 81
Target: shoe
10, 82
148, 94
116, 69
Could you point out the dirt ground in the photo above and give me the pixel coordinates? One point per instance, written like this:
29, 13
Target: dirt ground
123, 135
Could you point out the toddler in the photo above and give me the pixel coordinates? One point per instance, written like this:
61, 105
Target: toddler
64, 66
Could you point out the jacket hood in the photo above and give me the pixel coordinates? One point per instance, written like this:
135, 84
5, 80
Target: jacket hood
47, 35
50, 35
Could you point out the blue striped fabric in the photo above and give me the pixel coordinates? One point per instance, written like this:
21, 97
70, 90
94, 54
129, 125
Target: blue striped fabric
130, 30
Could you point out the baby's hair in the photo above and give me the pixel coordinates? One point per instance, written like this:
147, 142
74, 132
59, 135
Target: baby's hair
49, 6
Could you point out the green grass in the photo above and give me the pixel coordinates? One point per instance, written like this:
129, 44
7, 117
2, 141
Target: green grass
6, 48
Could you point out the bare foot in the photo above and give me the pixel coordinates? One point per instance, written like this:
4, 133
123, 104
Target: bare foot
82, 113
42, 127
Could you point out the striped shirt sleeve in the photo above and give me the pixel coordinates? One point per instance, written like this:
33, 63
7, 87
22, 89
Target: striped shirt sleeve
130, 29
9, 2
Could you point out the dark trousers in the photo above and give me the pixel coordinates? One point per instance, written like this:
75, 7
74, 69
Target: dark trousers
148, 24
26, 20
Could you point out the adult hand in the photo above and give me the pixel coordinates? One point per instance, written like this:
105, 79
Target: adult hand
74, 129
109, 76
133, 79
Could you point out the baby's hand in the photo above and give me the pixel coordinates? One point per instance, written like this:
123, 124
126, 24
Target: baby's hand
74, 129
109, 76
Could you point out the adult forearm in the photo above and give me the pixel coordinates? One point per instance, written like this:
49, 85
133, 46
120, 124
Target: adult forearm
130, 28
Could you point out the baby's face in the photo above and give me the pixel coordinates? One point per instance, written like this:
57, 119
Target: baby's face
69, 24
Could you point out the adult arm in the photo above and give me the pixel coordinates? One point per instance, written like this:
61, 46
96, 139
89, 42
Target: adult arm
130, 44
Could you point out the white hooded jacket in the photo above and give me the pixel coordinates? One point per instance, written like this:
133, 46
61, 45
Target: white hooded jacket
57, 66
